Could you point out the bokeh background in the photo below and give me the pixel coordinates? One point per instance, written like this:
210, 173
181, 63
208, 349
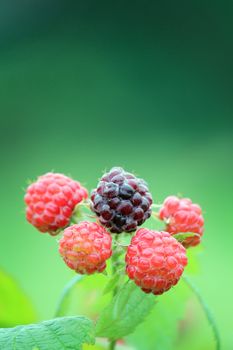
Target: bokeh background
147, 85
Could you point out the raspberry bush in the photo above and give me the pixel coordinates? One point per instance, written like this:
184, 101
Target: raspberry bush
102, 234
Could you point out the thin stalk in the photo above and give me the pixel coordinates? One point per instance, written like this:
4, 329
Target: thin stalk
64, 298
206, 310
115, 260
112, 345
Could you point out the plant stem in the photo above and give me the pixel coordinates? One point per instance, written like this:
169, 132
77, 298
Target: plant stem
64, 298
112, 345
115, 257
206, 310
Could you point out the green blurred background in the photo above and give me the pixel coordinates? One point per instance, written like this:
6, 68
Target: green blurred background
147, 85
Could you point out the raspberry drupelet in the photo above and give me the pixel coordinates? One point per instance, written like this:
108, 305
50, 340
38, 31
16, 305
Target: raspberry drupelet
121, 201
51, 201
155, 261
85, 247
182, 215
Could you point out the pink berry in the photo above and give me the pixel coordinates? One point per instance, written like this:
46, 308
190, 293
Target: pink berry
155, 261
182, 215
51, 201
85, 247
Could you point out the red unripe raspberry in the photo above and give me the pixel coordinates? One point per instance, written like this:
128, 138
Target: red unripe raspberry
85, 247
51, 200
182, 215
155, 261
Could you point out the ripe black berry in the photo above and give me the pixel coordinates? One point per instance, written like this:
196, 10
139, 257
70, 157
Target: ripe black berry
121, 201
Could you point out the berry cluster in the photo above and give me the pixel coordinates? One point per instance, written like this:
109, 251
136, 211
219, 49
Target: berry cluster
121, 201
154, 260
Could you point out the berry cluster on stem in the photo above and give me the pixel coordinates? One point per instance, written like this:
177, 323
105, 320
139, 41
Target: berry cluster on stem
121, 203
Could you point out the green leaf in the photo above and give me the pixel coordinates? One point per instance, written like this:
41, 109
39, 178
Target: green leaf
160, 329
15, 307
182, 236
57, 334
128, 308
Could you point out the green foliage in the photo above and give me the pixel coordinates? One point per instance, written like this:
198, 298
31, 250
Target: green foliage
159, 331
182, 236
128, 308
15, 307
57, 334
